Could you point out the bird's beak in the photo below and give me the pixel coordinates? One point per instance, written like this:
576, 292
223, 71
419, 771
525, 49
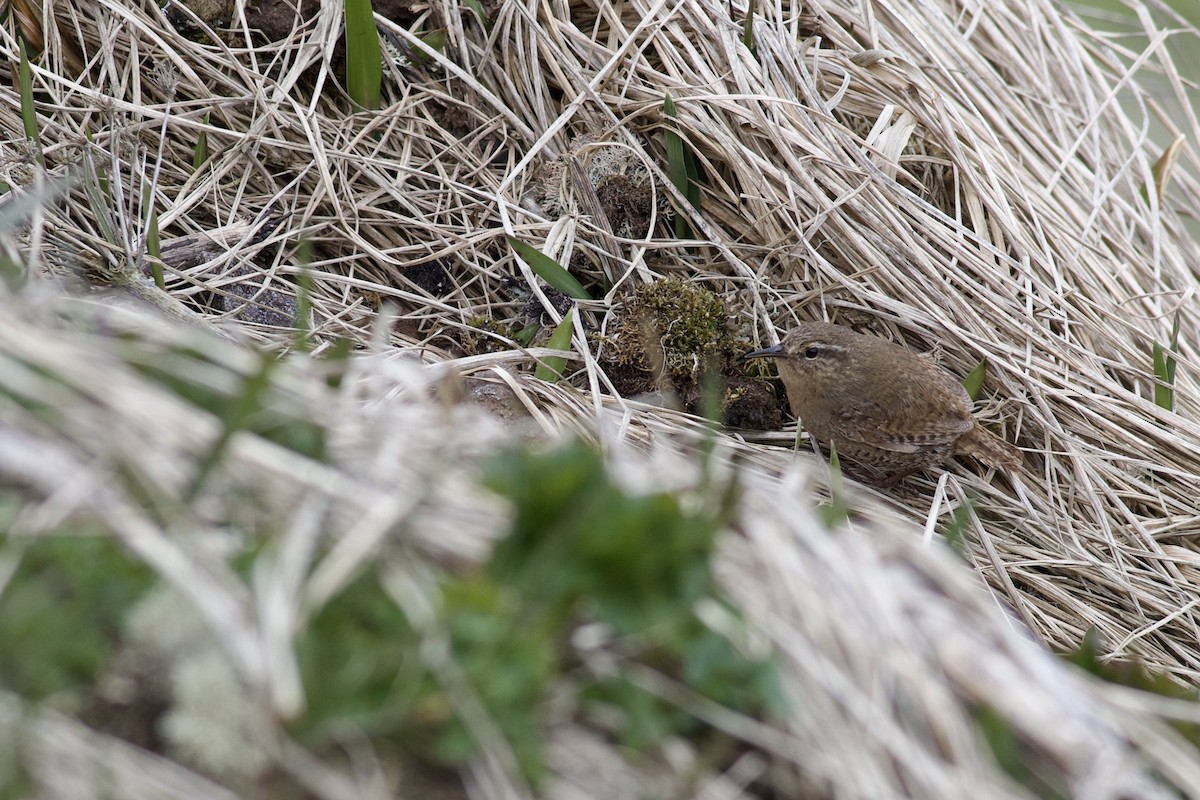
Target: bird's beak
768, 352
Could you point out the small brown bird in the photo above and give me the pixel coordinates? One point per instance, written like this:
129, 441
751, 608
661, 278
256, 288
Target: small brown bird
888, 411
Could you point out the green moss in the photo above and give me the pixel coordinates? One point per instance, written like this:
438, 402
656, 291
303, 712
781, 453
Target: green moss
679, 324
476, 341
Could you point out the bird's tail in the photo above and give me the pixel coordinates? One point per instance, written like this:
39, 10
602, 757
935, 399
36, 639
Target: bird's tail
989, 448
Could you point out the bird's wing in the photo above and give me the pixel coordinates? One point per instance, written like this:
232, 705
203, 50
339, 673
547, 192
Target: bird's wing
907, 427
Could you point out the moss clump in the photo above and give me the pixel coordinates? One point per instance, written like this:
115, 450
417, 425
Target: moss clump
673, 327
474, 339
672, 337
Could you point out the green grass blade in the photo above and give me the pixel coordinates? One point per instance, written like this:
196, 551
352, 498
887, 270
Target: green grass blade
681, 166
302, 322
101, 176
974, 382
28, 111
676, 161
153, 247
954, 530
336, 358
250, 401
200, 151
748, 29
95, 186
1164, 371
836, 512
551, 368
480, 13
364, 60
1164, 393
435, 40
549, 270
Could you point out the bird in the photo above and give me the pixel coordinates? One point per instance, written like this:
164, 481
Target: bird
888, 411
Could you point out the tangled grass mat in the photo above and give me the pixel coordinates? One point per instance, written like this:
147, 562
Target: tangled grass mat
211, 485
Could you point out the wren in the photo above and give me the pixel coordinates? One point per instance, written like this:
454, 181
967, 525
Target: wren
888, 411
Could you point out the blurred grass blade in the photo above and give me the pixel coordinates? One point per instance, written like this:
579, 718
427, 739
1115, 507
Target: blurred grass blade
250, 401
12, 272
364, 60
954, 530
974, 382
549, 270
16, 208
336, 358
837, 511
550, 369
302, 322
681, 165
28, 111
1164, 371
200, 152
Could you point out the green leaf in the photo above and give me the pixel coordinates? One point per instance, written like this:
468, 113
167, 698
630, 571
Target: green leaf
364, 60
1164, 370
681, 166
581, 547
549, 270
1087, 655
358, 661
200, 151
435, 40
1134, 674
974, 382
551, 368
152, 239
526, 334
480, 13
748, 29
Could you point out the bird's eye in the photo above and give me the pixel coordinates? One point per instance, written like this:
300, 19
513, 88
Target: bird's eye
812, 352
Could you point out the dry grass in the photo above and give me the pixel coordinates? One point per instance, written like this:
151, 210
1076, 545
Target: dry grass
971, 180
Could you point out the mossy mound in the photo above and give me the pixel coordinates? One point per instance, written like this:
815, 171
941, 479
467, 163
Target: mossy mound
673, 336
